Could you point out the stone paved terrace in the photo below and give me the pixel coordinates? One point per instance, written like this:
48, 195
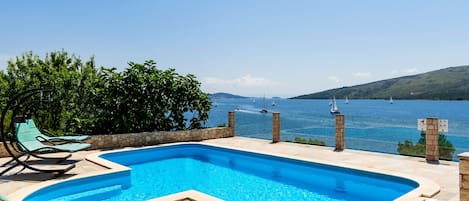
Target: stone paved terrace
445, 174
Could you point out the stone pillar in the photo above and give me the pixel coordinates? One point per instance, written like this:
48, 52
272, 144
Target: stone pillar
339, 132
275, 127
232, 123
431, 135
464, 176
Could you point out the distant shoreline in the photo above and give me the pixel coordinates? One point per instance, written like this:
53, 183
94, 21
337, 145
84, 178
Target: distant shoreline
445, 84
384, 99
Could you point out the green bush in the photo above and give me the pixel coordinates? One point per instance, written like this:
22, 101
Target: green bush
445, 148
92, 100
221, 125
308, 141
409, 149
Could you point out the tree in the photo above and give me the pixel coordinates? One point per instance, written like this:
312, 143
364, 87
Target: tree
144, 98
59, 72
96, 101
445, 147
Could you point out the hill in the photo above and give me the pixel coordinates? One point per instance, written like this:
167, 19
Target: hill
225, 95
446, 84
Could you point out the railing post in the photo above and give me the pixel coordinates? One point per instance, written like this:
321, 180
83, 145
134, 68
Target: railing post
464, 176
339, 132
232, 123
275, 127
431, 135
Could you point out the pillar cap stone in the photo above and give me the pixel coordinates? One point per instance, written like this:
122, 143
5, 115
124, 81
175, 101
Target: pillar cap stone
464, 155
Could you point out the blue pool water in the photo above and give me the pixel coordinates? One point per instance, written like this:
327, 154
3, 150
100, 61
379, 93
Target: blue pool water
372, 125
242, 176
231, 175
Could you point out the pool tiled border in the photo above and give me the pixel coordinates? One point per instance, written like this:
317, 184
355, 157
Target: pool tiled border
426, 189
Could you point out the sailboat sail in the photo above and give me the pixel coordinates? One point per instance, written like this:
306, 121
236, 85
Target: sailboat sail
264, 109
334, 108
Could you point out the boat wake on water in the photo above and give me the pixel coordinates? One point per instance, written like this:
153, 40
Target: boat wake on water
247, 111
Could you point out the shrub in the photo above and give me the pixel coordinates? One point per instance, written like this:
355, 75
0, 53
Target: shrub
445, 148
308, 141
91, 100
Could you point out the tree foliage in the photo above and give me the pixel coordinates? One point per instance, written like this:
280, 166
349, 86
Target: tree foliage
445, 147
308, 141
92, 100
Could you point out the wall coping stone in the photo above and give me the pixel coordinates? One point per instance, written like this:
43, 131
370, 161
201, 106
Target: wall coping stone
464, 156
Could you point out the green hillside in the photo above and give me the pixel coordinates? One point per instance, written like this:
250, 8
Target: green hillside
225, 95
445, 84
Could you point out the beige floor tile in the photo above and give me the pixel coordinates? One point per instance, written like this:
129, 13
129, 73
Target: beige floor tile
444, 174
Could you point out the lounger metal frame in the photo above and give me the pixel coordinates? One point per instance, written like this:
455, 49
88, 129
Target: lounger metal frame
19, 153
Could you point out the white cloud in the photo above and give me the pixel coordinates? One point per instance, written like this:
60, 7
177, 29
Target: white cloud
250, 81
245, 81
362, 74
334, 78
242, 85
213, 80
411, 70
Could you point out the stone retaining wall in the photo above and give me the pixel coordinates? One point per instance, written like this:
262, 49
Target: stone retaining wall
150, 138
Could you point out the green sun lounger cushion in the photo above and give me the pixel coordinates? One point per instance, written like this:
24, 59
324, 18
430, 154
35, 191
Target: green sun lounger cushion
26, 136
3, 198
31, 125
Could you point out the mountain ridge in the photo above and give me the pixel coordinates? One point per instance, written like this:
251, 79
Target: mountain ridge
450, 83
225, 95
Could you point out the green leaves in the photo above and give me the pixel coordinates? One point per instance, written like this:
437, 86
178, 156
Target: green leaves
445, 147
99, 101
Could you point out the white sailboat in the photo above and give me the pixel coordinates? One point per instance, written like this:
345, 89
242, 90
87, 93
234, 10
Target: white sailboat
334, 108
346, 99
273, 103
264, 109
390, 100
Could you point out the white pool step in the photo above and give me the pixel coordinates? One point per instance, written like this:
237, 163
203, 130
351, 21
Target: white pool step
95, 194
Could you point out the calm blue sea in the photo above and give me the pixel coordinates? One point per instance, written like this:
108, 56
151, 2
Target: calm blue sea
372, 125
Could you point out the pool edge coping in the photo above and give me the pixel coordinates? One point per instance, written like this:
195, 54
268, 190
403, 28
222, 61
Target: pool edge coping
112, 168
426, 188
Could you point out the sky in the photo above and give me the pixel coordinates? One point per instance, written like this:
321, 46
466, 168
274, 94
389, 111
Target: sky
257, 48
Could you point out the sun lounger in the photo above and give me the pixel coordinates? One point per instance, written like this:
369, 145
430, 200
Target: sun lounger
28, 145
51, 137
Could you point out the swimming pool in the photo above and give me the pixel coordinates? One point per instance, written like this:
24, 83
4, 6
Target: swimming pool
227, 174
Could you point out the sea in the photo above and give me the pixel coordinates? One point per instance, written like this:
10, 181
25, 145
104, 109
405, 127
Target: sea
370, 125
